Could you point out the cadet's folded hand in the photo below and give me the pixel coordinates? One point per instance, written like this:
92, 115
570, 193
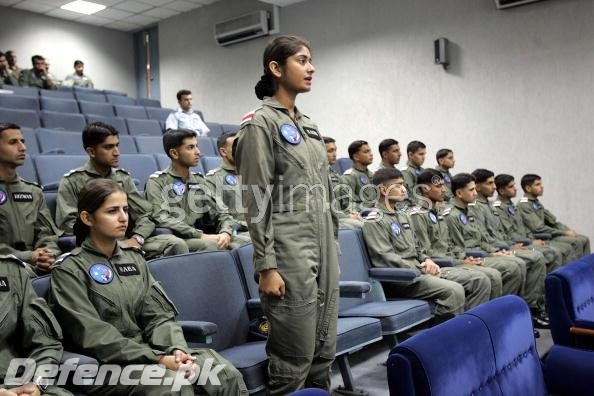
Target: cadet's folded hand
223, 240
132, 242
4, 392
272, 283
355, 216
538, 242
571, 233
472, 261
27, 389
185, 363
518, 246
430, 268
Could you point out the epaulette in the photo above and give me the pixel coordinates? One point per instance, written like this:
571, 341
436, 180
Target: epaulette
13, 258
60, 259
416, 210
73, 171
524, 199
472, 204
156, 174
374, 214
348, 171
496, 204
123, 246
248, 116
123, 171
197, 174
446, 211
213, 171
32, 183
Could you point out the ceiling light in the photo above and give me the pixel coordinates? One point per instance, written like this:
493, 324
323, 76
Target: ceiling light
83, 7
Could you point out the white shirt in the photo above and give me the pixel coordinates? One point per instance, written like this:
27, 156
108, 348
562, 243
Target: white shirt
186, 120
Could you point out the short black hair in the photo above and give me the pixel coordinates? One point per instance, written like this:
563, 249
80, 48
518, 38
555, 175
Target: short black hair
2, 54
355, 147
96, 132
460, 181
429, 176
8, 125
481, 175
78, 62
174, 138
528, 180
35, 58
385, 145
385, 174
183, 92
328, 139
415, 146
222, 139
442, 153
502, 180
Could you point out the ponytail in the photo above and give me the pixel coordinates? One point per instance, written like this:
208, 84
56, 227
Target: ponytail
266, 86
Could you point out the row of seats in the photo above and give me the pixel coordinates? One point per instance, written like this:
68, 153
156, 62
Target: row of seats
82, 94
225, 326
48, 170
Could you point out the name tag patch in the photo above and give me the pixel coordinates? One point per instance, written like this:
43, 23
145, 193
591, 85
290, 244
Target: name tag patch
127, 269
312, 133
4, 285
22, 197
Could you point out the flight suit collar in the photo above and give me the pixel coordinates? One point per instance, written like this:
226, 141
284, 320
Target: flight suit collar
506, 201
89, 168
458, 204
531, 197
365, 171
172, 172
411, 165
227, 168
482, 199
384, 165
90, 246
270, 101
442, 170
13, 181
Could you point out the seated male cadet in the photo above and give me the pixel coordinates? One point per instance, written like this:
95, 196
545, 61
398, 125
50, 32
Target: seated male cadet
26, 226
346, 218
101, 142
180, 198
358, 178
391, 243
540, 220
488, 222
432, 234
513, 224
224, 184
389, 151
416, 152
29, 329
445, 162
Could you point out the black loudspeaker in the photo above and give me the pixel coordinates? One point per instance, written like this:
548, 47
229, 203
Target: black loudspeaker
440, 47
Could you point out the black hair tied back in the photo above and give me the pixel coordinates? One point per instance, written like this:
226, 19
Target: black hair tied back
265, 87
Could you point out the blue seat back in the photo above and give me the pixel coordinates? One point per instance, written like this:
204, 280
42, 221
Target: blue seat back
354, 263
51, 168
217, 293
148, 102
116, 122
11, 101
97, 108
41, 285
120, 100
59, 105
69, 122
344, 164
48, 93
51, 202
156, 113
125, 111
140, 166
209, 163
230, 128
90, 97
144, 127
245, 260
23, 118
51, 141
206, 146
32, 92
127, 145
215, 129
149, 144
30, 140
27, 170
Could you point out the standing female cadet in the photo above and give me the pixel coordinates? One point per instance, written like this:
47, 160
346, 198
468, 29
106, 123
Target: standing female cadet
111, 307
281, 158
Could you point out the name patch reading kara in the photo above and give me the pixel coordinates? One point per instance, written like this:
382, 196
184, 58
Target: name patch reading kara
127, 269
22, 197
4, 285
313, 133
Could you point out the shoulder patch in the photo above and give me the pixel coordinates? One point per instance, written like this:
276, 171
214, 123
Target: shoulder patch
372, 215
524, 200
72, 171
416, 210
60, 259
123, 171
213, 171
13, 258
472, 204
156, 174
446, 211
32, 183
123, 246
348, 171
248, 116
497, 204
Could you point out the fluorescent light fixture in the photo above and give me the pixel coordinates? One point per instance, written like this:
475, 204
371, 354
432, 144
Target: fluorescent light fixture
83, 7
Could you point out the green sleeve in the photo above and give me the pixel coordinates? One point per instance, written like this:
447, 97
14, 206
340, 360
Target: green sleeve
46, 232
162, 211
534, 223
409, 182
419, 225
140, 210
66, 205
551, 219
381, 250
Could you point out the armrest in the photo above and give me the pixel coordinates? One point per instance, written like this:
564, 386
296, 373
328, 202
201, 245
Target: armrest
82, 359
51, 186
254, 303
523, 241
568, 371
197, 331
394, 275
254, 308
66, 243
354, 289
476, 253
56, 150
161, 231
545, 236
443, 261
502, 246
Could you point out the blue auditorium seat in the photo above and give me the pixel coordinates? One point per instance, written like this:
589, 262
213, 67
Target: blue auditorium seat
137, 112
230, 127
51, 168
60, 142
163, 162
207, 146
48, 93
127, 145
30, 140
116, 122
120, 100
140, 166
90, 97
78, 90
138, 127
11, 101
148, 102
310, 392
23, 118
210, 163
215, 129
149, 144
51, 200
31, 92
217, 297
344, 164
69, 122
113, 92
59, 105
96, 108
157, 113
27, 170
489, 350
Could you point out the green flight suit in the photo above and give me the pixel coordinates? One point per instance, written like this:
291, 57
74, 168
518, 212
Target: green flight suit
31, 78
225, 185
410, 174
433, 238
340, 203
363, 193
25, 221
382, 165
465, 235
541, 220
536, 266
8, 78
447, 180
179, 204
27, 329
391, 243
512, 225
139, 209
293, 231
114, 311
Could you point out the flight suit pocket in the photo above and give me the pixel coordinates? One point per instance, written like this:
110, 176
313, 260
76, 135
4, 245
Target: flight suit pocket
45, 320
160, 297
8, 315
108, 310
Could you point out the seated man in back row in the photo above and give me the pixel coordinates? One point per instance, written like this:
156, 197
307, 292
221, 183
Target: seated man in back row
101, 142
185, 117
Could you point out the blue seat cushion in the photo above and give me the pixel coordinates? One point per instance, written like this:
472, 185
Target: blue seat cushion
356, 332
395, 315
251, 361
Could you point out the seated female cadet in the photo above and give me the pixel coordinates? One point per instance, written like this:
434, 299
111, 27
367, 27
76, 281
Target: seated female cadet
113, 310
27, 329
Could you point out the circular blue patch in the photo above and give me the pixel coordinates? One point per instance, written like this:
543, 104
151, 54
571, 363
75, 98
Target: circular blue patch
535, 205
432, 217
463, 219
231, 180
363, 179
511, 210
101, 273
3, 197
179, 188
447, 179
395, 229
290, 134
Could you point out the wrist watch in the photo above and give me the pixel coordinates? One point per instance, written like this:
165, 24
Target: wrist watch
41, 383
139, 239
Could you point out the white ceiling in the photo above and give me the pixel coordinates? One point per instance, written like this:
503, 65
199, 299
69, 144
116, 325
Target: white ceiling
126, 15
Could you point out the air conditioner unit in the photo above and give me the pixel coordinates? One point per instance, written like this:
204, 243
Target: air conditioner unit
245, 27
502, 4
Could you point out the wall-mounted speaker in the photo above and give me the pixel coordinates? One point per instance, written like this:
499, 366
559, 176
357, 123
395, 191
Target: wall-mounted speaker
440, 47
